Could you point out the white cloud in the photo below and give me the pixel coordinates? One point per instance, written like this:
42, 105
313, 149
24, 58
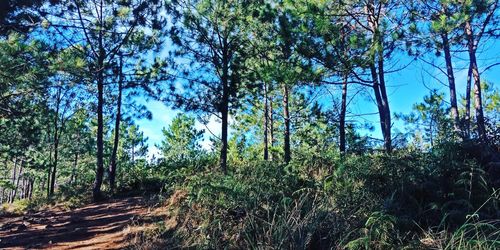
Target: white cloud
153, 153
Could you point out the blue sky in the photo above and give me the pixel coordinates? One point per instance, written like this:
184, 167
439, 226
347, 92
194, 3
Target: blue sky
405, 88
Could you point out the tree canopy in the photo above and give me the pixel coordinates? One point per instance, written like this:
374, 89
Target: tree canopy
260, 123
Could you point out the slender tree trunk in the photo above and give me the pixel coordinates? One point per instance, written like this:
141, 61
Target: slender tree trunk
224, 117
286, 116
24, 184
48, 180
451, 82
467, 103
386, 123
49, 168
478, 105
271, 127
56, 154
14, 192
431, 137
96, 192
5, 162
343, 105
32, 186
378, 78
112, 167
343, 110
41, 186
271, 123
14, 176
381, 110
23, 189
266, 124
26, 188
224, 108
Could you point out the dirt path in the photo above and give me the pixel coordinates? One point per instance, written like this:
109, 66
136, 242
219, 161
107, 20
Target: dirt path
95, 226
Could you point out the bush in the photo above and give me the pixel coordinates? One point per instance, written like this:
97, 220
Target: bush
373, 201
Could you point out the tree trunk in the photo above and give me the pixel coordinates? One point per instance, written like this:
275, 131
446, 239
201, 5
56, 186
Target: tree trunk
14, 176
266, 124
271, 126
224, 107
41, 185
381, 110
56, 153
378, 78
96, 191
112, 167
48, 180
467, 103
49, 168
386, 123
478, 105
14, 192
343, 110
23, 189
223, 152
32, 186
286, 116
451, 82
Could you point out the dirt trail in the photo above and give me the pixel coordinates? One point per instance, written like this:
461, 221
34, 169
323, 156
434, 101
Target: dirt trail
95, 226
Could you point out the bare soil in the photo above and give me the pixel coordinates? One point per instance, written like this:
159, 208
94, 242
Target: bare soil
103, 225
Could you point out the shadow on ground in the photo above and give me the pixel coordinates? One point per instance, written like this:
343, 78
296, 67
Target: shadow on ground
96, 226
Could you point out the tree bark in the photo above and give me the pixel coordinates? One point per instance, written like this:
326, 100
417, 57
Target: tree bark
96, 191
224, 130
467, 103
54, 165
224, 107
478, 105
271, 126
48, 179
14, 176
23, 188
56, 144
451, 82
386, 123
32, 186
286, 116
112, 167
49, 168
266, 124
343, 110
379, 87
382, 110
14, 192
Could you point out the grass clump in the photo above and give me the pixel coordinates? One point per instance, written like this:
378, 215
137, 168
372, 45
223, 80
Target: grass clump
407, 200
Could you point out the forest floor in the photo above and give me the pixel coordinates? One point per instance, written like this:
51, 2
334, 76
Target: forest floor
104, 225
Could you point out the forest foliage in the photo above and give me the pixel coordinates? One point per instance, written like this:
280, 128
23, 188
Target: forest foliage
295, 165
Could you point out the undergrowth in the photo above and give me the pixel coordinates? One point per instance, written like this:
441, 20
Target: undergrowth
408, 200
